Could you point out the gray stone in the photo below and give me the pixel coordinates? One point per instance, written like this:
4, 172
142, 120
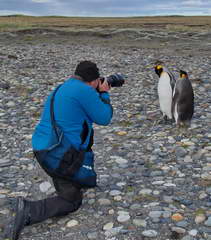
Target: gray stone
113, 231
145, 191
208, 222
208, 190
183, 224
115, 192
180, 152
135, 206
155, 214
140, 222
187, 238
150, 233
123, 218
193, 232
178, 230
45, 186
92, 235
205, 229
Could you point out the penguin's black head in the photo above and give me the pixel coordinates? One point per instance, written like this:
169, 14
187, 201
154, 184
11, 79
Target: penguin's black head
183, 74
158, 69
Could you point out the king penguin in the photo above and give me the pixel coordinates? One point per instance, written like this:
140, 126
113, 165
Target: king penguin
166, 85
183, 100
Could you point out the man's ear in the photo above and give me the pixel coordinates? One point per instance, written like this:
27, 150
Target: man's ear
94, 83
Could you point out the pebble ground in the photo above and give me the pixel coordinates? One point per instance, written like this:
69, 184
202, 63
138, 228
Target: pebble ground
155, 180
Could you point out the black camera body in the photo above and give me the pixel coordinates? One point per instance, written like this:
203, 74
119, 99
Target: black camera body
114, 80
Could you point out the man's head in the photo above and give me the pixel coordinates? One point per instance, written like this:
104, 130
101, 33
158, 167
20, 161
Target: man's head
87, 70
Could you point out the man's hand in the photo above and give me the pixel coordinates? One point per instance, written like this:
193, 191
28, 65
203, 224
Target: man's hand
103, 87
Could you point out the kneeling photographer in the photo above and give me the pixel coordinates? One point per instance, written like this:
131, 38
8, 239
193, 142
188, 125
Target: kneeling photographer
62, 143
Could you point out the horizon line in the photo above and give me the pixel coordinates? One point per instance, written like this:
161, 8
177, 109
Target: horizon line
82, 16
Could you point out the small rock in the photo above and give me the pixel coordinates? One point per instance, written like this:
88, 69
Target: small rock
182, 224
114, 193
121, 133
123, 218
150, 233
187, 238
177, 217
208, 222
113, 231
104, 201
188, 159
111, 211
135, 206
45, 186
178, 230
10, 104
140, 222
206, 176
5, 86
200, 218
180, 152
117, 198
108, 226
121, 160
92, 235
72, 223
145, 191
193, 232
155, 214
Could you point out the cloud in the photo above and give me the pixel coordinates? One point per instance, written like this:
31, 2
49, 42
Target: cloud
193, 3
8, 12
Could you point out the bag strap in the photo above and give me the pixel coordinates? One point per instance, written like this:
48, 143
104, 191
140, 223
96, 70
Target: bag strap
53, 121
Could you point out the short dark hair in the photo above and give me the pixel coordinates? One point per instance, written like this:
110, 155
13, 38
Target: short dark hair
87, 70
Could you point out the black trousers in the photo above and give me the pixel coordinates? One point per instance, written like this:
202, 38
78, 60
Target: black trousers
69, 199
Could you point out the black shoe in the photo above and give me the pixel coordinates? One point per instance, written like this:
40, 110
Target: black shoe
21, 219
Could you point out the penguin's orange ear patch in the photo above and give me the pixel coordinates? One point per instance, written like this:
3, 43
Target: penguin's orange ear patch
159, 67
183, 75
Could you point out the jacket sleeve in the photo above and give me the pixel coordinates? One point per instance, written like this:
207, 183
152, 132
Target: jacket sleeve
97, 106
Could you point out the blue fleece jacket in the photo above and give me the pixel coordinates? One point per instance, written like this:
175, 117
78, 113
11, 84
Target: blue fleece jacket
74, 103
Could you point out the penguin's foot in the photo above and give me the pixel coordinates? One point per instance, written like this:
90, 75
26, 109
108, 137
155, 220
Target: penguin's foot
164, 120
171, 121
168, 120
159, 121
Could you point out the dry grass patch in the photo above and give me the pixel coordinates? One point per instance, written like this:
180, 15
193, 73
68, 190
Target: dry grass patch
12, 23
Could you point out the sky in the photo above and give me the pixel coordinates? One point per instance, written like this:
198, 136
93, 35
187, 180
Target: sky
107, 8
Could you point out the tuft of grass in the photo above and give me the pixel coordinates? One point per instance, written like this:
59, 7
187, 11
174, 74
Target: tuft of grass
145, 198
9, 26
116, 145
149, 165
130, 189
36, 115
28, 38
182, 28
125, 123
200, 211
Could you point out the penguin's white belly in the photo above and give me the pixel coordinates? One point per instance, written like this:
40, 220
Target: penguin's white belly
176, 113
165, 95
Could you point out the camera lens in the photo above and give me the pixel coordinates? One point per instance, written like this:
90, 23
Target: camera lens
115, 80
